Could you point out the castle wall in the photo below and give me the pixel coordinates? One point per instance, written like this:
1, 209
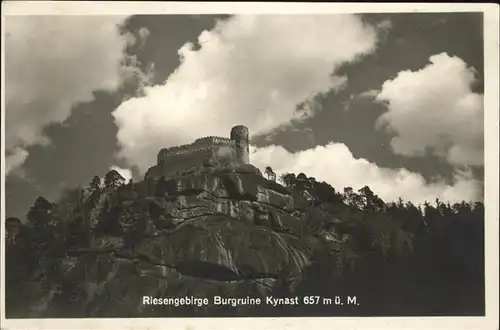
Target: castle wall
213, 150
211, 140
195, 157
182, 162
199, 145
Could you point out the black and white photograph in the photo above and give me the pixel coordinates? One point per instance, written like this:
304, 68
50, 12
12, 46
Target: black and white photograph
249, 163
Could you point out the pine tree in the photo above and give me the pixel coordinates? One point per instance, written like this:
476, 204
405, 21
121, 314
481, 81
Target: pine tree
113, 179
95, 184
288, 179
270, 173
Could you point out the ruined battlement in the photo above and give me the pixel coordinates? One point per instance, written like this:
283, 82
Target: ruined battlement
210, 140
210, 149
200, 144
171, 153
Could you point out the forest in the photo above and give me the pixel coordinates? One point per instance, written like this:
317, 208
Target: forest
396, 258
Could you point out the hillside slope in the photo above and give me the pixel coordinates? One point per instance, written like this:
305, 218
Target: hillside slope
232, 233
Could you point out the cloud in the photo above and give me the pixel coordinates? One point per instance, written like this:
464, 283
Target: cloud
14, 159
385, 25
435, 110
124, 172
262, 71
52, 63
142, 34
371, 93
134, 80
336, 165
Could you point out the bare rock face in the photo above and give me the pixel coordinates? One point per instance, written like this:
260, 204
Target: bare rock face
230, 233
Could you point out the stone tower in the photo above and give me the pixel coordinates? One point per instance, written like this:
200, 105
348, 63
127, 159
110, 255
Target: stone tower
239, 134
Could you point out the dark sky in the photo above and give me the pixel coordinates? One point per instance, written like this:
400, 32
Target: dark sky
85, 144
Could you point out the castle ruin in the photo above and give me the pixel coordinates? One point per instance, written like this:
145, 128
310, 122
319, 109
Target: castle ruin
211, 151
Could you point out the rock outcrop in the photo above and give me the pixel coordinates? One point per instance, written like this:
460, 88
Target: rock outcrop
227, 232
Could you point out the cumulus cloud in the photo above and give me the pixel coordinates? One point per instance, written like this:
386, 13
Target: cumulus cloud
143, 34
52, 63
435, 110
336, 165
14, 159
264, 71
371, 93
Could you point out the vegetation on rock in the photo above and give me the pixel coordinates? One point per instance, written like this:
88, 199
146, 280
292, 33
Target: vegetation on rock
98, 250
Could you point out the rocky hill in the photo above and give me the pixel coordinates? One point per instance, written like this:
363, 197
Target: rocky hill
232, 233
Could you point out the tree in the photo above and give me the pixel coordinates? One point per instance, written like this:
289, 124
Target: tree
326, 193
303, 182
353, 199
113, 179
95, 184
41, 221
12, 228
288, 179
39, 214
367, 196
69, 203
94, 190
301, 176
372, 203
400, 203
270, 173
